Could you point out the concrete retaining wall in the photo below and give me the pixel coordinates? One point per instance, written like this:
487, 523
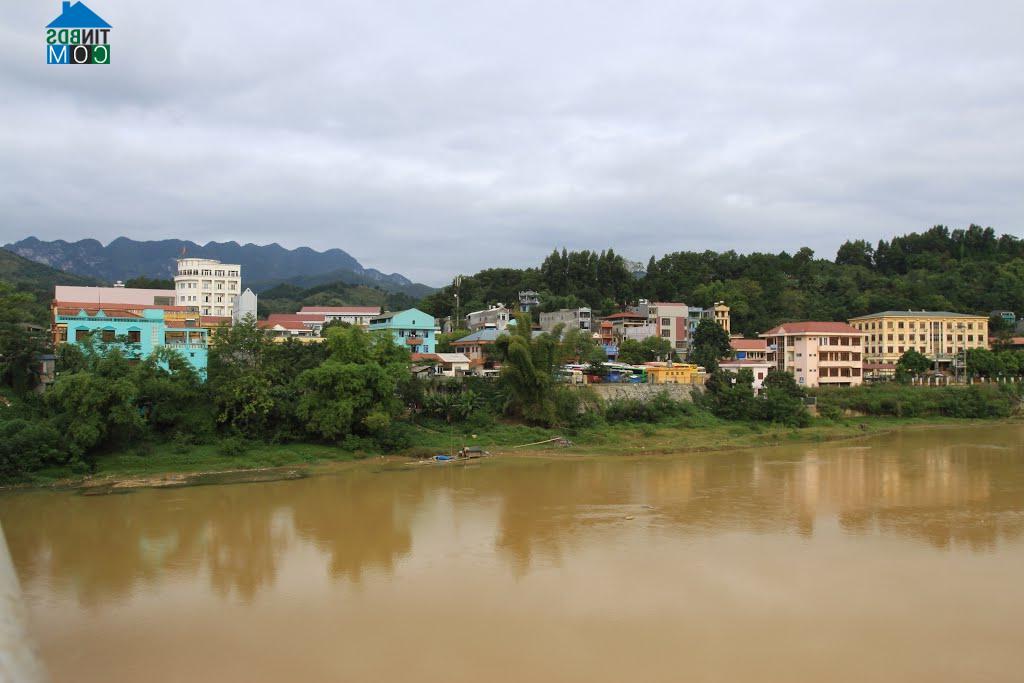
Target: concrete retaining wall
644, 392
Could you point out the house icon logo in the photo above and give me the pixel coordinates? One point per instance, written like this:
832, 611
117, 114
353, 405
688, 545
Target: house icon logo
77, 36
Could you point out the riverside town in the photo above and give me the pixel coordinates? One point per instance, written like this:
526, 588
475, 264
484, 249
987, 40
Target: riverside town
512, 342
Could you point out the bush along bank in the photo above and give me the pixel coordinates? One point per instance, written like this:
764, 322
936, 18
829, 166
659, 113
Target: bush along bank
980, 401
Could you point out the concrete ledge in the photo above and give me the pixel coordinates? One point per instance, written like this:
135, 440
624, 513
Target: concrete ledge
644, 392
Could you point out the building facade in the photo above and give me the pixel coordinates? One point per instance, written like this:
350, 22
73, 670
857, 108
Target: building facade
207, 284
571, 318
759, 368
360, 316
673, 373
942, 336
817, 353
676, 322
100, 296
496, 316
412, 329
137, 330
528, 300
749, 349
243, 306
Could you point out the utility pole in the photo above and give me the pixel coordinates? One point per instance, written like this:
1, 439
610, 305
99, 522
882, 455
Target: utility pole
457, 323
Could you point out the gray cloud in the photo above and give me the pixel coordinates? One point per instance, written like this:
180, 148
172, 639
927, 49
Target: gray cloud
440, 137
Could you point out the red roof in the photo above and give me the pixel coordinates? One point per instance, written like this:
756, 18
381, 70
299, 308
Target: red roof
749, 344
92, 305
295, 317
624, 315
365, 310
812, 327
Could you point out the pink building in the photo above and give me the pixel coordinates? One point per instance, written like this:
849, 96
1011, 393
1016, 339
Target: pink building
817, 353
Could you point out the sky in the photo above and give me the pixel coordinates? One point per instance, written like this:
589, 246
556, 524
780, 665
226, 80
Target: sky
439, 137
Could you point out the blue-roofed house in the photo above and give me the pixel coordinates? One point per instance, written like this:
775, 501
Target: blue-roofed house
77, 16
412, 329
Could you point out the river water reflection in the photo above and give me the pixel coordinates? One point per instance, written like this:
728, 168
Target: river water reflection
895, 559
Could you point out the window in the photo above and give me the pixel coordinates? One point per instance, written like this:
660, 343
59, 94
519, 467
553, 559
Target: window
666, 333
81, 334
134, 336
108, 335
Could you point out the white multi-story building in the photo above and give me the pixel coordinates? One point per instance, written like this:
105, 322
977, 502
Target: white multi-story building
497, 316
209, 285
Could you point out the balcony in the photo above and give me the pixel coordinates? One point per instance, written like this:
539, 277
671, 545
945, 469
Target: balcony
414, 341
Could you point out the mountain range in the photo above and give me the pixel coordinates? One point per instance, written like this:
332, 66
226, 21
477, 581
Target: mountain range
263, 266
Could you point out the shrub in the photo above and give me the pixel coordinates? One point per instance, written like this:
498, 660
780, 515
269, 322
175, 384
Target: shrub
659, 408
233, 446
896, 400
26, 446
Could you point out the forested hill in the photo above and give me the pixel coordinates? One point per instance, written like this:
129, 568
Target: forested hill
288, 298
972, 270
36, 279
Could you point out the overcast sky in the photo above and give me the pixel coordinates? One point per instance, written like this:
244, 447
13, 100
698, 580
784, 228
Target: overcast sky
431, 138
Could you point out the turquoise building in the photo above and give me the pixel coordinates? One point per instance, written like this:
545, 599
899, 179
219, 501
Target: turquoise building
412, 328
143, 330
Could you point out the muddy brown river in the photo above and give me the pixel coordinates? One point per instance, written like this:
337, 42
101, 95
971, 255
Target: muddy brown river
899, 558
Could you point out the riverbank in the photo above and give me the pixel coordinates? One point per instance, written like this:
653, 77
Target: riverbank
164, 465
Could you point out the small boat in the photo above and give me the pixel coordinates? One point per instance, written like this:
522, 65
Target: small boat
443, 458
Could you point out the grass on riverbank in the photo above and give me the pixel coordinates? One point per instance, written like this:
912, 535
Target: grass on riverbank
673, 436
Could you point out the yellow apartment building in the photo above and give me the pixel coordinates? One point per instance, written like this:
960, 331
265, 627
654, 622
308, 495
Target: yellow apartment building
940, 335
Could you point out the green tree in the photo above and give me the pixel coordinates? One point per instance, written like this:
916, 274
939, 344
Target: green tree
710, 343
912, 364
240, 386
98, 406
21, 342
782, 400
650, 349
353, 392
983, 363
527, 372
143, 282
